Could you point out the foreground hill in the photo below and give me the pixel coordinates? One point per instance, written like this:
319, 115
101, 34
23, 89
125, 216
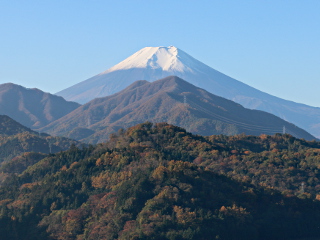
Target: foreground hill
32, 107
171, 100
153, 63
160, 182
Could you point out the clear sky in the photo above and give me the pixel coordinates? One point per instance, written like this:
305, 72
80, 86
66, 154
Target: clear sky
271, 45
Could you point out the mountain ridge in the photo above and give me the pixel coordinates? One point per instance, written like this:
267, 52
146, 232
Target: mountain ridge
32, 107
121, 75
171, 100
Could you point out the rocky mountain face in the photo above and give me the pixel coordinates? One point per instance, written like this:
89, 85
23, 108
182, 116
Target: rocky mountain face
152, 63
171, 100
32, 107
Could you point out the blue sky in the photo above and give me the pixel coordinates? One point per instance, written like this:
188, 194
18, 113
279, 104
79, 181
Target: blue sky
271, 45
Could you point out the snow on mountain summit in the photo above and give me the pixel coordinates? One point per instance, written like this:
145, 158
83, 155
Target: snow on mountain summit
165, 58
153, 63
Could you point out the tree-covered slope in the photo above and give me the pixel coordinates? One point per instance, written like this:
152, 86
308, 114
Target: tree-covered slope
16, 139
9, 127
160, 182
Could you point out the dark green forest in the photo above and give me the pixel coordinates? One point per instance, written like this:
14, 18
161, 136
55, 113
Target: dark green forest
157, 181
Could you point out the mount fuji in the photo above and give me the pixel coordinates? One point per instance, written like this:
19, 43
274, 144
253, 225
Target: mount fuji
153, 63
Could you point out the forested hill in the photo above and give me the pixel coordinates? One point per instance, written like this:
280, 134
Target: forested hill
16, 139
160, 182
8, 126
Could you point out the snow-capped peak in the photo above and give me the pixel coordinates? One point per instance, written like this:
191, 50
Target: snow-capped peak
165, 58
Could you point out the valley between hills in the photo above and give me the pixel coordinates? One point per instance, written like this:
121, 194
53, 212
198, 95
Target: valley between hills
160, 146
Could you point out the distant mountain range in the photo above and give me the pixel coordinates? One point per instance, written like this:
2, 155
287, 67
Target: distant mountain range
153, 63
171, 100
32, 108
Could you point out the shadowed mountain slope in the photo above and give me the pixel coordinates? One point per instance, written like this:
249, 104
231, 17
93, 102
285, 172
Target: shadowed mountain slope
171, 100
32, 107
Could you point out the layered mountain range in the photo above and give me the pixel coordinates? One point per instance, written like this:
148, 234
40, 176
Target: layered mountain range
153, 63
171, 100
154, 180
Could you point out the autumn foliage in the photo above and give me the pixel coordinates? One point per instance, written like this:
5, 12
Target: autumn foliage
156, 181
